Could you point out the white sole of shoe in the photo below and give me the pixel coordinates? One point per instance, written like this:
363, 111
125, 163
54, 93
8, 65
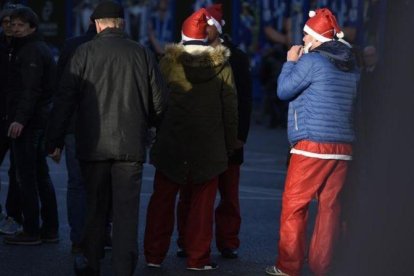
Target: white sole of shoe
151, 265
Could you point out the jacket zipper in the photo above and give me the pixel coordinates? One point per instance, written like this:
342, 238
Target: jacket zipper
296, 121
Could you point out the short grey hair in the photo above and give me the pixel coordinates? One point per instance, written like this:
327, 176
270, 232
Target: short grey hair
113, 22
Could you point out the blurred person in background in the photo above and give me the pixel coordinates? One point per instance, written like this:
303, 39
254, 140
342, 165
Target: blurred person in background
276, 32
160, 27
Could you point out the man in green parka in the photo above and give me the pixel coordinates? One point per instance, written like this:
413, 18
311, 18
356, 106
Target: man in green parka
193, 143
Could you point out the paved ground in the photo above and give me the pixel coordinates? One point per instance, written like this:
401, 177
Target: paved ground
260, 193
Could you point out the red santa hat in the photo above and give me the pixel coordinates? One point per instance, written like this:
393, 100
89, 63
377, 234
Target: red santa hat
194, 27
322, 25
215, 16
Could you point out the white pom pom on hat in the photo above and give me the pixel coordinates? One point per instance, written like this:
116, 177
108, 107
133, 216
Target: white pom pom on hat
312, 13
340, 35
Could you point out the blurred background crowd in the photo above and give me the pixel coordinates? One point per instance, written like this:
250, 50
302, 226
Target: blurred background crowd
264, 29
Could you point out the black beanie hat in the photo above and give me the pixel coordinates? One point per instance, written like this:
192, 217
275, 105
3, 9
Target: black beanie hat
108, 9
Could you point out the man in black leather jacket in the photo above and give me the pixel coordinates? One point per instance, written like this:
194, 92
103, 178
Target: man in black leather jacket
119, 92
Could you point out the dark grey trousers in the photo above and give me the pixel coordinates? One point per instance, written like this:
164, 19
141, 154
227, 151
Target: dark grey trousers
122, 181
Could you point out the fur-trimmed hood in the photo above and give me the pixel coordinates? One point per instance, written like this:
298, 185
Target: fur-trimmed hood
200, 63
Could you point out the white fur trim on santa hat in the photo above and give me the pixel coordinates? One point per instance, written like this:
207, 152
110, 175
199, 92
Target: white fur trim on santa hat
312, 13
194, 49
319, 37
186, 38
212, 21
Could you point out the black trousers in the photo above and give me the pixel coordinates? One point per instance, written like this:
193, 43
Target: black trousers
34, 182
118, 182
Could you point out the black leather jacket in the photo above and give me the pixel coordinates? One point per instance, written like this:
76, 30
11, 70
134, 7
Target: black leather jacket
116, 86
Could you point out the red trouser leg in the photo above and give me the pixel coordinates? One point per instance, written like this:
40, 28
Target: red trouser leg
306, 178
327, 225
227, 215
183, 206
199, 224
160, 219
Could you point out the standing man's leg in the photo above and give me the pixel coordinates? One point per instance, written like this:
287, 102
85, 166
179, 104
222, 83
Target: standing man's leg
13, 200
327, 225
160, 219
227, 215
50, 222
13, 205
14, 220
199, 225
76, 194
97, 177
24, 150
183, 207
126, 188
304, 178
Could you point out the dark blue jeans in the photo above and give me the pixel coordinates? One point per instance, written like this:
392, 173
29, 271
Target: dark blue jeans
76, 195
33, 177
13, 206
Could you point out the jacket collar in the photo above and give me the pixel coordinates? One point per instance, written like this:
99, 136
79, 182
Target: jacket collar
112, 32
19, 42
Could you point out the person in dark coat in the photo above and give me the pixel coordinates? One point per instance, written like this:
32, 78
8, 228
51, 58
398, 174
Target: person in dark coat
31, 83
12, 222
193, 143
227, 213
76, 193
117, 88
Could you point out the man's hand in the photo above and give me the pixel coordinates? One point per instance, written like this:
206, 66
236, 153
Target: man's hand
56, 155
15, 130
295, 52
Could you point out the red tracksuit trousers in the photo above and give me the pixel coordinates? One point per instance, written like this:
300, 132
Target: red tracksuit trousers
199, 225
306, 179
227, 214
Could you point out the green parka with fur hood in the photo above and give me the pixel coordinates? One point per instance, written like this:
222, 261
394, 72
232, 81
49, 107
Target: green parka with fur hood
199, 128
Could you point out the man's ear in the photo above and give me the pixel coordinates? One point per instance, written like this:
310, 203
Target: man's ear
98, 26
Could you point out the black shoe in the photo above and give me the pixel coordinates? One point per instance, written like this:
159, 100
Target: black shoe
22, 238
210, 266
181, 253
83, 269
229, 253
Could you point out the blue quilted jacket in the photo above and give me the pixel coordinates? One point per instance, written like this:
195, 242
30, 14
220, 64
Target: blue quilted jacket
321, 88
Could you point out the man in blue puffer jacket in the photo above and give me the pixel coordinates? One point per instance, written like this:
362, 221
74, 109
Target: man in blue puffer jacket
321, 87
